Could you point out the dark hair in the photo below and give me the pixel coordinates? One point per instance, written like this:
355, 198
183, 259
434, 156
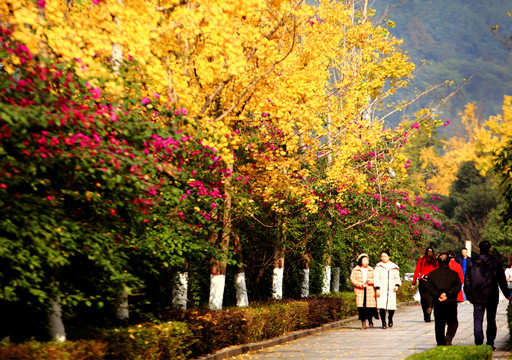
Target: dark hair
360, 261
430, 256
485, 247
443, 259
385, 252
450, 254
463, 249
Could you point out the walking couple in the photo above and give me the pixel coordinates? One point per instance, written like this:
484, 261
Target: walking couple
376, 289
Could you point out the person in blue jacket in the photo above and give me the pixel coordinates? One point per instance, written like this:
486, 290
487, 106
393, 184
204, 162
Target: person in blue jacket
465, 261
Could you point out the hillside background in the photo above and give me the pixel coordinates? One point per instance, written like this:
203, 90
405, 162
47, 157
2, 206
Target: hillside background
453, 37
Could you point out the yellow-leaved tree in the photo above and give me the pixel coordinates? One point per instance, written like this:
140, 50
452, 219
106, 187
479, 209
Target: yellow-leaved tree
287, 83
481, 139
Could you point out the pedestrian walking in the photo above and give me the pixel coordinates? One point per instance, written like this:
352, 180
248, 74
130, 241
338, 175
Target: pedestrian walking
481, 283
387, 282
455, 266
362, 277
508, 276
444, 285
424, 266
465, 261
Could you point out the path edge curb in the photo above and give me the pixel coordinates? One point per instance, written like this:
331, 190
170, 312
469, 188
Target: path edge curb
295, 335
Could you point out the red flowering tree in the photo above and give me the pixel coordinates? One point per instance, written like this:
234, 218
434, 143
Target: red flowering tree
89, 189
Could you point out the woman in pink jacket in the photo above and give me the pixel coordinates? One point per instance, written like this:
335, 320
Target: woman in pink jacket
362, 277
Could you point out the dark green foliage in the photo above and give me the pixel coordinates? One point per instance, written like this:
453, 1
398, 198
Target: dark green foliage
472, 198
499, 235
503, 168
472, 352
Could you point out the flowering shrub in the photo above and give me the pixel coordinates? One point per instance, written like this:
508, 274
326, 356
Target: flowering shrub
90, 184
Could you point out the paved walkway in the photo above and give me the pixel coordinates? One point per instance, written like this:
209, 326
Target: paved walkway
409, 335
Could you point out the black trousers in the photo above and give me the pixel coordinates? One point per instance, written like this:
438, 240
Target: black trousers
478, 318
446, 320
426, 299
366, 313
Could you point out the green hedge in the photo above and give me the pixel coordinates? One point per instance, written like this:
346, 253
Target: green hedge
149, 342
214, 330
191, 333
405, 293
69, 350
472, 352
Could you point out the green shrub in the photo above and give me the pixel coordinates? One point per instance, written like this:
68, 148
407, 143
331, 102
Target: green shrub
348, 304
332, 307
215, 330
472, 352
275, 319
405, 292
149, 341
69, 350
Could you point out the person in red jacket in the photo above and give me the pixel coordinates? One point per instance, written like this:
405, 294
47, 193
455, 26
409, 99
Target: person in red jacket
424, 266
455, 266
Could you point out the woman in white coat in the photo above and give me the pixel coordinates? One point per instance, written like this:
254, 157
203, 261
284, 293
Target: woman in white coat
387, 282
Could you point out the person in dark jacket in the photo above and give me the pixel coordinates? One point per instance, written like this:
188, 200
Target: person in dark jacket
481, 284
444, 286
465, 261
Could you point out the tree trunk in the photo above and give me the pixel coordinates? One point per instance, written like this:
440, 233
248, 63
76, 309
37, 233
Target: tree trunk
218, 268
326, 283
242, 300
179, 290
336, 280
123, 312
304, 291
57, 330
277, 276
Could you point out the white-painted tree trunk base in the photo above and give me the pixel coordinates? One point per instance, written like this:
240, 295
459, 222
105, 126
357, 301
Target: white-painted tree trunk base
217, 284
242, 300
304, 290
336, 280
277, 283
123, 312
179, 291
326, 283
57, 330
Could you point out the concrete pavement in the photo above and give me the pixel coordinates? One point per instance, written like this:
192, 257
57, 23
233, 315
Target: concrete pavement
409, 335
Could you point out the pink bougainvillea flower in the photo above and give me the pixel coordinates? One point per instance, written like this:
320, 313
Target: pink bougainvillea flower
96, 93
145, 101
